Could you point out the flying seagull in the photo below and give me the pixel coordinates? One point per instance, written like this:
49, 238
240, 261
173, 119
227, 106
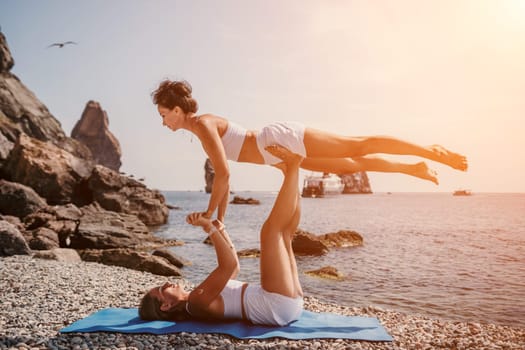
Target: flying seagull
61, 45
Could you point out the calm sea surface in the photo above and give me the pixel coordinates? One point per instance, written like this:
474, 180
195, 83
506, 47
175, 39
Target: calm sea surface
457, 258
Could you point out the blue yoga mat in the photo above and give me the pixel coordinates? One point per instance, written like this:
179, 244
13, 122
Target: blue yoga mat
311, 325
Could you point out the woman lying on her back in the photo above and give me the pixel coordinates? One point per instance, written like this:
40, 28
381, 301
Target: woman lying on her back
278, 300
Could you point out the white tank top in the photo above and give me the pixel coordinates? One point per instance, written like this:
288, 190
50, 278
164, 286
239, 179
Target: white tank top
232, 140
231, 297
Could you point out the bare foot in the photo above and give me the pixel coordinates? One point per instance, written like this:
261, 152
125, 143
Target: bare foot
454, 160
422, 171
285, 154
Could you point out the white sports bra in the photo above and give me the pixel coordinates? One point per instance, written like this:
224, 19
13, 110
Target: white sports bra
232, 140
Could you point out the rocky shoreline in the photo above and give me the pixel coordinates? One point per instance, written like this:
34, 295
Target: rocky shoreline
39, 297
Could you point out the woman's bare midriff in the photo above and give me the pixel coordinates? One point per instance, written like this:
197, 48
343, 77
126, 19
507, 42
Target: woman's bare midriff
249, 151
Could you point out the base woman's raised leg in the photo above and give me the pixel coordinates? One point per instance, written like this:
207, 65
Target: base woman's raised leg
278, 272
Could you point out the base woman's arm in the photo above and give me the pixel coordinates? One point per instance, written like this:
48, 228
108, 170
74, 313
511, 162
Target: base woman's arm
203, 296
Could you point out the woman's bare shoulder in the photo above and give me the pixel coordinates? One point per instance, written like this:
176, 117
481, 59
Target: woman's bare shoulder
212, 121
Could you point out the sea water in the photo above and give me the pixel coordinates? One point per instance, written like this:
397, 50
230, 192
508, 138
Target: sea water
433, 254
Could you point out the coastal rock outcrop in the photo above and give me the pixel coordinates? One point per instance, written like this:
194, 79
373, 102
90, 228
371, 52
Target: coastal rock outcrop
88, 227
49, 183
327, 272
5, 145
11, 240
19, 200
125, 195
241, 200
172, 258
209, 175
22, 112
52, 172
136, 260
342, 239
356, 183
104, 229
42, 238
305, 243
6, 60
93, 131
249, 253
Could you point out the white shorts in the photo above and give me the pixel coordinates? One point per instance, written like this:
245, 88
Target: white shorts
266, 308
286, 134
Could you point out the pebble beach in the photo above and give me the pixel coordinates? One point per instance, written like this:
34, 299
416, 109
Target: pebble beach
39, 297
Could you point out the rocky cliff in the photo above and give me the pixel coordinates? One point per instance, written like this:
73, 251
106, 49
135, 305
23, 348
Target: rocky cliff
53, 192
93, 131
356, 183
209, 175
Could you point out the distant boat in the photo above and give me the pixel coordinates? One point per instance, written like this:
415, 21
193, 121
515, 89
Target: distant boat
462, 193
322, 185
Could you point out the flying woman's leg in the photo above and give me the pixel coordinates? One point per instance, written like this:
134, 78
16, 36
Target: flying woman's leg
321, 144
278, 271
369, 163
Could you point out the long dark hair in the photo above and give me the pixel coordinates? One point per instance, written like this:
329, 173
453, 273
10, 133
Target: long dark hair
149, 310
175, 93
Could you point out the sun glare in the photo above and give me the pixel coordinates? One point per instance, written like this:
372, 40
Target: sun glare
514, 11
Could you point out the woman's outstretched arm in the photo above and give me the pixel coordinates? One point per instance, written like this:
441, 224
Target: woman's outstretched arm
210, 139
223, 205
227, 263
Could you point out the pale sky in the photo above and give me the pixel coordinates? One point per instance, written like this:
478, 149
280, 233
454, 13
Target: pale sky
450, 72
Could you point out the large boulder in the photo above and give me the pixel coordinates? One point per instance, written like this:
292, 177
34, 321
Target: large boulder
103, 229
131, 259
14, 220
172, 258
11, 240
125, 195
42, 239
19, 200
21, 106
93, 131
305, 243
342, 239
88, 227
53, 173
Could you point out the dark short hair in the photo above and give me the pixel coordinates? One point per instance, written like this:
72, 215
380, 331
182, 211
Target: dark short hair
170, 94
